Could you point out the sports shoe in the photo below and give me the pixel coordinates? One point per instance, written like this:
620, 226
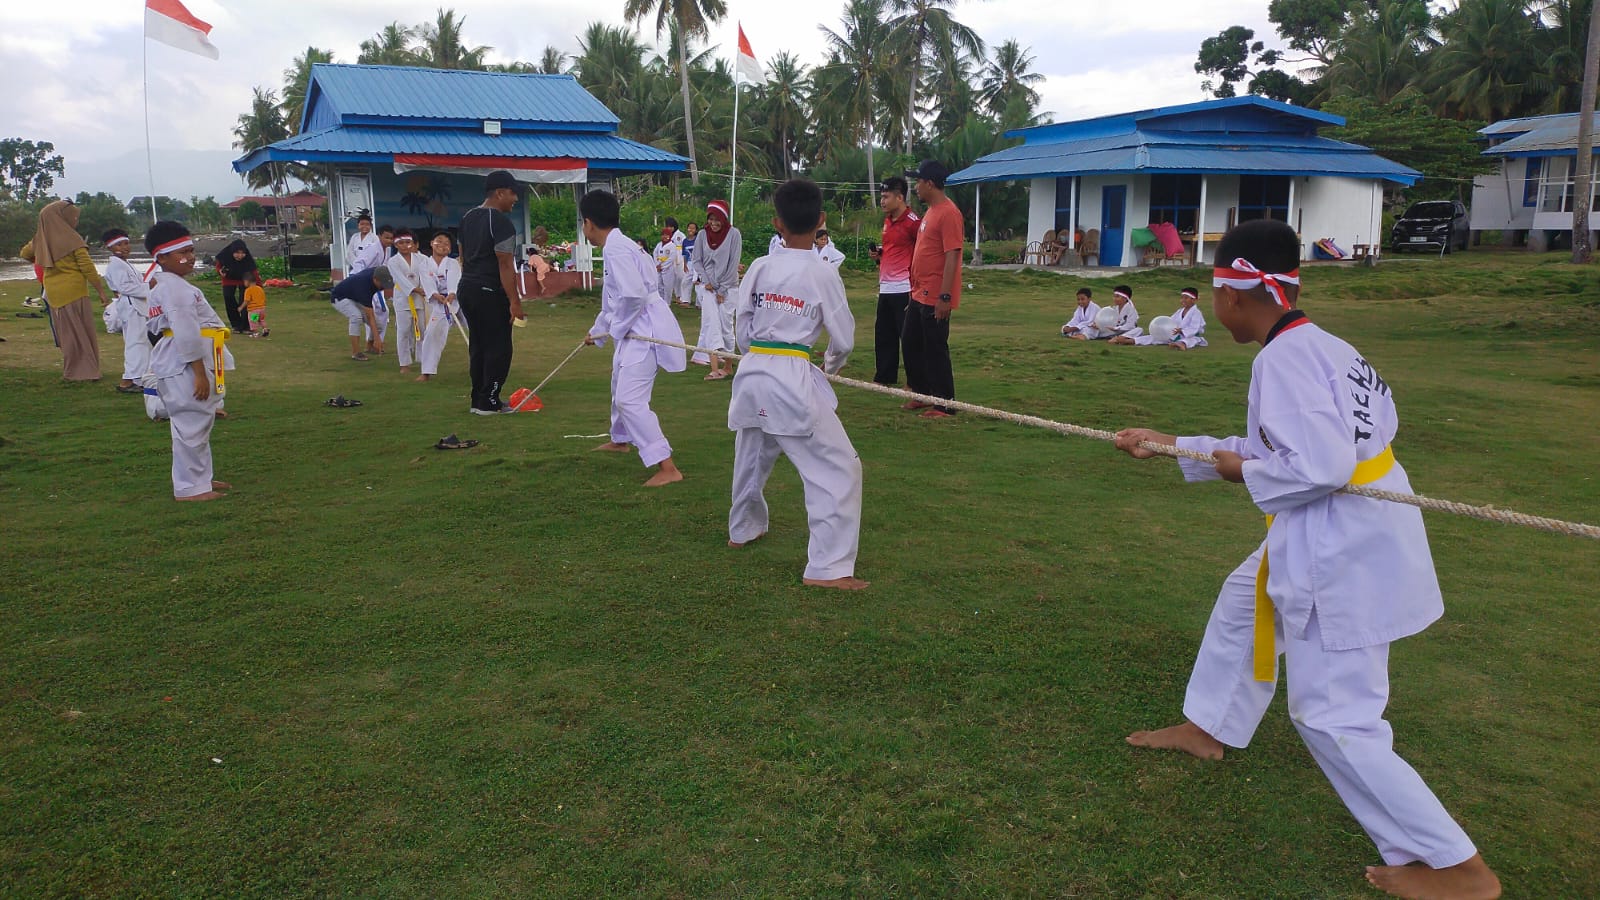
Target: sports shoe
486, 412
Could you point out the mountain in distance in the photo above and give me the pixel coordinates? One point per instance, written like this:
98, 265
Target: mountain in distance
179, 173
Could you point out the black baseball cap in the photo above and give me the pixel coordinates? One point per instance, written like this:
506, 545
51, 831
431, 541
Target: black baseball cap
500, 179
930, 170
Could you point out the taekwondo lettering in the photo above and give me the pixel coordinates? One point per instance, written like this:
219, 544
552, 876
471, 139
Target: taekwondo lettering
1366, 382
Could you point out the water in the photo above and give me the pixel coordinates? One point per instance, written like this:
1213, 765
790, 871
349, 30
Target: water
20, 270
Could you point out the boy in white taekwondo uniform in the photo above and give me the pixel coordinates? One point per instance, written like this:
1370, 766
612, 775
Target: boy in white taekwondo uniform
132, 311
1338, 578
1083, 314
410, 299
669, 261
631, 304
440, 276
782, 404
188, 361
364, 250
1127, 317
825, 249
1190, 324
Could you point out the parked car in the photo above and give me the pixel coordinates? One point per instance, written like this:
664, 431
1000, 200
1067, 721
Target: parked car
1431, 225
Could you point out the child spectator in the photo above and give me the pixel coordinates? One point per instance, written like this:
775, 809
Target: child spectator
1083, 314
829, 253
1189, 326
255, 306
132, 311
235, 265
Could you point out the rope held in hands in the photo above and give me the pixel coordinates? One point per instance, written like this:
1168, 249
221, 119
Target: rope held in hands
1486, 513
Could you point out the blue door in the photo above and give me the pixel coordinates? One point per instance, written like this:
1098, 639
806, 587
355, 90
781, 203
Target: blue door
1113, 209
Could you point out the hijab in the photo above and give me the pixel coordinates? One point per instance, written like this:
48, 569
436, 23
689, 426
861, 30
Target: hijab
717, 209
57, 237
236, 269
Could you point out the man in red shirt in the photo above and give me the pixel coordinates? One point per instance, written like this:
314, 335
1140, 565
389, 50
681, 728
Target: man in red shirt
935, 291
894, 276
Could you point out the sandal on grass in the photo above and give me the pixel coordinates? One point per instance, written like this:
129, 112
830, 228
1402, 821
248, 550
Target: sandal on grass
451, 442
341, 402
716, 376
360, 357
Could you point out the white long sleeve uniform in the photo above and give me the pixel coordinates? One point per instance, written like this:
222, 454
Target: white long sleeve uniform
177, 306
631, 303
133, 314
1191, 330
439, 281
409, 295
1082, 319
361, 253
782, 404
1347, 575
832, 255
669, 268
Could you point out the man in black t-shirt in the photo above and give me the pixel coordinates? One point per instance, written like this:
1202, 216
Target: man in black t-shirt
488, 292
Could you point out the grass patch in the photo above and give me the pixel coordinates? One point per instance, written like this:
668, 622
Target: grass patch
511, 670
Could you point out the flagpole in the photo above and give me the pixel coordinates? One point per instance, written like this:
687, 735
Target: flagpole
144, 72
733, 168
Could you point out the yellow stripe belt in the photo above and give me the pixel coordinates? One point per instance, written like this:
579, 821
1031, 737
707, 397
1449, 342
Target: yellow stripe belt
218, 336
778, 348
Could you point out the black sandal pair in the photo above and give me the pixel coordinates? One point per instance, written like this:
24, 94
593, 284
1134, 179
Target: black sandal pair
451, 442
341, 402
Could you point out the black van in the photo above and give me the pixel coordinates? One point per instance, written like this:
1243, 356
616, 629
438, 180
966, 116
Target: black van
1431, 225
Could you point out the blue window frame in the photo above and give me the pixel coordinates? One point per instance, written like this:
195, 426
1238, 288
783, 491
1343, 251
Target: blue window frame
1263, 197
1175, 199
1064, 205
1530, 183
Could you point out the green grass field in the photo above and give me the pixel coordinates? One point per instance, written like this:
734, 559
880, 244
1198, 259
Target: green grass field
378, 669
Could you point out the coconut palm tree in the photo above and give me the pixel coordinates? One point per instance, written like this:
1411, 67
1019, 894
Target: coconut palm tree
1562, 41
552, 61
693, 19
1007, 76
262, 125
848, 83
610, 65
389, 47
1488, 64
1380, 53
785, 102
1582, 252
925, 30
296, 79
443, 47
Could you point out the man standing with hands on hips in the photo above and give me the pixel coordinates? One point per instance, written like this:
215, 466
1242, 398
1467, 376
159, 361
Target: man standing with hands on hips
488, 290
935, 292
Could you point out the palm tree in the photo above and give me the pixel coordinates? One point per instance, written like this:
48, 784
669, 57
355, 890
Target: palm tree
262, 125
389, 47
610, 65
693, 19
552, 61
786, 95
1380, 53
1562, 40
296, 79
1009, 76
443, 48
1488, 63
856, 68
926, 29
1582, 193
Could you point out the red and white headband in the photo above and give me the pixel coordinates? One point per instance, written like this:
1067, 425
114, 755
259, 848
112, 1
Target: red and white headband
174, 245
117, 240
1122, 294
1191, 293
1242, 275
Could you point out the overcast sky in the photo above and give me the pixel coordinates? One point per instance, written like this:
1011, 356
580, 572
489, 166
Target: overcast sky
73, 66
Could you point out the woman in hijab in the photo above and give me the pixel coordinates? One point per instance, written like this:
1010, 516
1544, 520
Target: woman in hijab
60, 251
715, 267
236, 265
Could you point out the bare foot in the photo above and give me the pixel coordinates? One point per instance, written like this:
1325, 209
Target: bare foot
613, 447
848, 583
737, 544
221, 486
1471, 880
422, 378
208, 495
222, 414
1186, 737
664, 477
405, 370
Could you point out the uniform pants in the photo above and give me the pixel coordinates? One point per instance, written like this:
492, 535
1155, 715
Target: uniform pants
191, 422
407, 347
829, 469
886, 336
135, 343
687, 289
632, 419
488, 312
1336, 701
434, 337
926, 342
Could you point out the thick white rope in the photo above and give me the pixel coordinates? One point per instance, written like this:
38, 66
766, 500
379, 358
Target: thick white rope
1486, 513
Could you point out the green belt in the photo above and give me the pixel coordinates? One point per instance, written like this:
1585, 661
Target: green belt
779, 348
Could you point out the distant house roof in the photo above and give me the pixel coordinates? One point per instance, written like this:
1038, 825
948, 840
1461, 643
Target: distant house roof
297, 199
372, 114
1538, 136
1249, 135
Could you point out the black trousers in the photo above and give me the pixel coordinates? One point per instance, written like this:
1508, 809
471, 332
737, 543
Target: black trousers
886, 335
488, 313
232, 296
926, 343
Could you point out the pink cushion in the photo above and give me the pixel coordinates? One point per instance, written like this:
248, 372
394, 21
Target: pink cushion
1167, 234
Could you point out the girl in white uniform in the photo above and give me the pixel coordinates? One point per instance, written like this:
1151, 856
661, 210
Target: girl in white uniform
410, 299
782, 404
716, 268
440, 275
631, 303
187, 362
1336, 580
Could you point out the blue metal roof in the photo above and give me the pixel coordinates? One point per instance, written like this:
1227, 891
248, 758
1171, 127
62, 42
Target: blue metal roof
369, 144
1549, 136
1526, 124
1246, 135
347, 95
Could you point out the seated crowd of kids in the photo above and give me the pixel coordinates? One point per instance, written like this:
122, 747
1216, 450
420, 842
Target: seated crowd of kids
1348, 574
1119, 324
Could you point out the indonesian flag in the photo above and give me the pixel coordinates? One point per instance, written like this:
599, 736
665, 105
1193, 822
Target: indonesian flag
169, 22
748, 66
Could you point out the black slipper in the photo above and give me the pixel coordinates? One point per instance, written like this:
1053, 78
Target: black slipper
451, 442
341, 402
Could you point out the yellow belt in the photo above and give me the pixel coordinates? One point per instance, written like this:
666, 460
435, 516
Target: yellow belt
1266, 650
416, 326
218, 336
775, 348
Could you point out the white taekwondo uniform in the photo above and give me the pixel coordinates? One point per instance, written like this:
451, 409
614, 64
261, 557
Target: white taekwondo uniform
439, 278
178, 311
409, 295
133, 316
362, 253
1191, 330
782, 404
631, 303
1126, 325
1082, 319
1347, 576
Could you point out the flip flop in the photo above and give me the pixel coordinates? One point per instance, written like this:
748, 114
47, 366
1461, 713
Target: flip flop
341, 402
716, 376
451, 442
130, 389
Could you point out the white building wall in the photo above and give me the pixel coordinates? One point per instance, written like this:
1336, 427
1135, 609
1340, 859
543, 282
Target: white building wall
1497, 199
1041, 208
1348, 210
